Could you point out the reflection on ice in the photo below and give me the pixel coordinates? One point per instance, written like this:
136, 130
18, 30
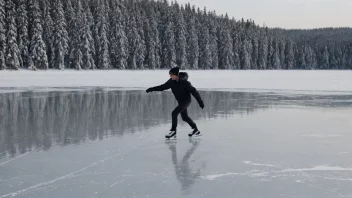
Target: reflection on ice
184, 174
41, 119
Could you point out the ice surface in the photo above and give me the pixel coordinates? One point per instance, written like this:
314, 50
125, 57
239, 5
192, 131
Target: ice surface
249, 80
100, 142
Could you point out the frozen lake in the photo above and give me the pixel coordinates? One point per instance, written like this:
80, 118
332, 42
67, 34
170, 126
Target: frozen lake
95, 142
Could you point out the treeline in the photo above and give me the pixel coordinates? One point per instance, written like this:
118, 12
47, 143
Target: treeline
147, 34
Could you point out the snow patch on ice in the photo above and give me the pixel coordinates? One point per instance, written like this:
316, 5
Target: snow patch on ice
321, 135
258, 164
342, 153
212, 177
318, 168
252, 173
338, 179
260, 174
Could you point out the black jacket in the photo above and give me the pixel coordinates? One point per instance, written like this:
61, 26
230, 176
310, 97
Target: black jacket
182, 89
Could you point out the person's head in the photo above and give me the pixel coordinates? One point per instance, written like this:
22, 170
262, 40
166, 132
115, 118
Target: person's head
174, 73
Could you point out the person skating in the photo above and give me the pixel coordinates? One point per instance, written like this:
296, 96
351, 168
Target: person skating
182, 90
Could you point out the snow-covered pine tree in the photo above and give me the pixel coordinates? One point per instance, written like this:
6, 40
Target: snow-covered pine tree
165, 17
236, 46
95, 8
301, 61
169, 51
87, 5
225, 45
13, 55
325, 59
205, 60
246, 45
76, 56
37, 50
282, 44
270, 52
245, 54
180, 35
333, 56
199, 24
88, 46
255, 52
22, 32
71, 27
2, 35
153, 40
141, 46
263, 51
119, 42
309, 57
192, 44
314, 59
102, 36
48, 32
339, 55
104, 59
133, 41
276, 63
344, 57
78, 61
113, 20
213, 26
60, 36
289, 55
149, 43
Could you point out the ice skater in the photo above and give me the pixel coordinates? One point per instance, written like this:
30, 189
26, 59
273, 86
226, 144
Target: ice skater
182, 90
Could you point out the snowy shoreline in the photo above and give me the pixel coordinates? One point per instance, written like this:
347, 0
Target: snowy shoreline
249, 80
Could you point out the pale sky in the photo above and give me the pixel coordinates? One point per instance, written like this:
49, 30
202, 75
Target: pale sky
303, 14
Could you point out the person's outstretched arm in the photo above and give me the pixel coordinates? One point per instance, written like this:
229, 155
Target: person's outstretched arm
162, 87
195, 94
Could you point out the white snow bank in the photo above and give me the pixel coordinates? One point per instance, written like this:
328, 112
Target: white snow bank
335, 81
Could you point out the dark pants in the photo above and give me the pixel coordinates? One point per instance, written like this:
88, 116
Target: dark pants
182, 108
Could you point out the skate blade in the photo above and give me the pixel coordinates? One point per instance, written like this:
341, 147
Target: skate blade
195, 135
170, 138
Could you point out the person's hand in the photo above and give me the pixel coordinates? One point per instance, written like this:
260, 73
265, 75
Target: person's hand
201, 105
149, 90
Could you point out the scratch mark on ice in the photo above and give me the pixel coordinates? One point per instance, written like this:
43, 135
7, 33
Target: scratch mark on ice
112, 185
